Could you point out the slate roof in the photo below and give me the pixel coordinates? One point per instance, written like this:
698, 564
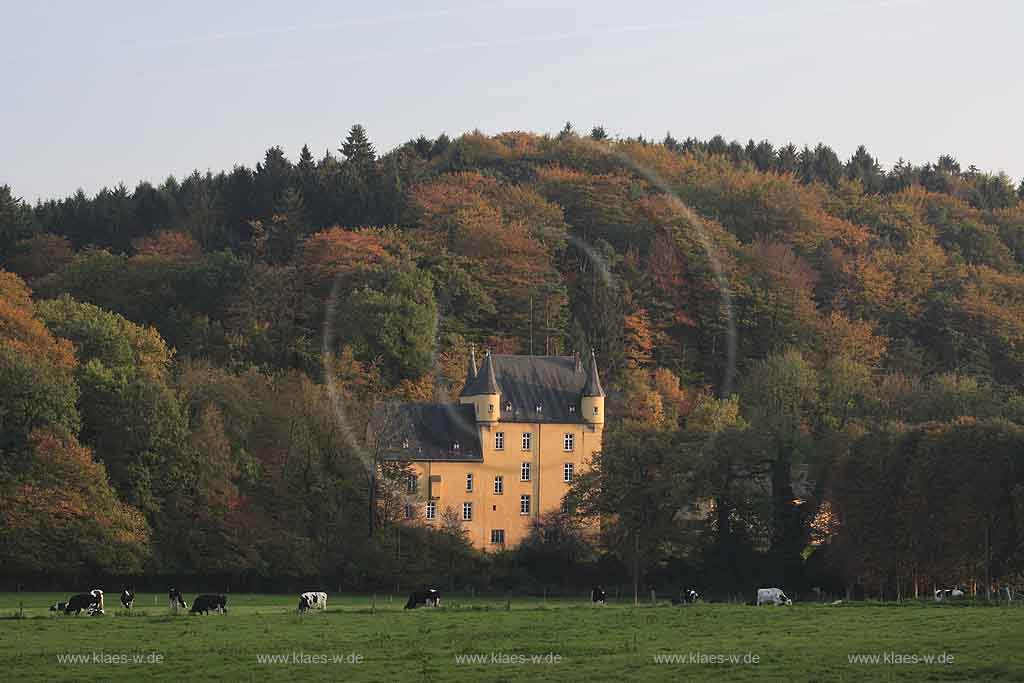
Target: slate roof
429, 431
485, 382
593, 386
552, 382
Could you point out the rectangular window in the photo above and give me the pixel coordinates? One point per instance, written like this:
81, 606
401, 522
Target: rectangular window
409, 512
469, 482
497, 537
499, 484
569, 442
499, 441
564, 508
526, 440
568, 472
524, 504
413, 485
524, 472
431, 510
467, 512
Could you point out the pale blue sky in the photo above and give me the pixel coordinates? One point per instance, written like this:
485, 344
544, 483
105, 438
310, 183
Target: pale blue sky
96, 93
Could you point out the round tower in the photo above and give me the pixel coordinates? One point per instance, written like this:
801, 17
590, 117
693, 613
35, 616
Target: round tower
592, 401
484, 393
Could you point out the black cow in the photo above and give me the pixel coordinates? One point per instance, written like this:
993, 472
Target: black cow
175, 600
204, 604
598, 596
686, 597
77, 603
429, 596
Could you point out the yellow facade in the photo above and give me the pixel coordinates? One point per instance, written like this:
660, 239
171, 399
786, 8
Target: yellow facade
445, 483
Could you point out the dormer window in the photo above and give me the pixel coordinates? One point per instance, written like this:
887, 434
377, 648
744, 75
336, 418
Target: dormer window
539, 408
508, 406
572, 409
455, 445
405, 444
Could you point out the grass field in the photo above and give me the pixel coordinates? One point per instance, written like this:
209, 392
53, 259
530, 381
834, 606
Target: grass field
374, 639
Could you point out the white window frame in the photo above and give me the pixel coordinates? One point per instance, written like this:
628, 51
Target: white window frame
499, 484
410, 512
524, 505
467, 512
431, 511
412, 486
525, 471
497, 537
527, 440
569, 442
568, 472
499, 441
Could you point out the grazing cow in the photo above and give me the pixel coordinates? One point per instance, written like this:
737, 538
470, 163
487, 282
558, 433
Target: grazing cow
77, 603
205, 604
686, 597
772, 596
176, 600
944, 594
127, 598
598, 596
97, 595
429, 596
312, 600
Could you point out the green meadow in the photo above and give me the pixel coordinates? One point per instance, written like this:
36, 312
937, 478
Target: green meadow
480, 638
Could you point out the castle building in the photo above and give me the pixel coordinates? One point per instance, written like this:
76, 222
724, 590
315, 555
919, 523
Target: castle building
504, 455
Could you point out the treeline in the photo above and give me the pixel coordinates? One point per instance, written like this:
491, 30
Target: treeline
188, 370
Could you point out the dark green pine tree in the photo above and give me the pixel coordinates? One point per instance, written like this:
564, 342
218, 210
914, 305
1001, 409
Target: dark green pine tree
15, 220
865, 168
357, 148
788, 159
598, 133
359, 178
273, 177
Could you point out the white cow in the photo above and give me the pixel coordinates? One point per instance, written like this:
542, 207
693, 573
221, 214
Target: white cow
947, 593
772, 596
313, 600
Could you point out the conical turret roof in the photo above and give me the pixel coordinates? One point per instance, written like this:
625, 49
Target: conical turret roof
593, 386
471, 372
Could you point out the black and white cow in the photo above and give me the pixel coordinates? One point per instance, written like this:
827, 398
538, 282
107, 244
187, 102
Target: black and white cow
686, 597
97, 597
598, 596
312, 600
204, 604
78, 603
429, 596
944, 594
175, 600
127, 598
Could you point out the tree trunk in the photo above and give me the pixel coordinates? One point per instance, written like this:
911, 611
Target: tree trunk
371, 517
636, 568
